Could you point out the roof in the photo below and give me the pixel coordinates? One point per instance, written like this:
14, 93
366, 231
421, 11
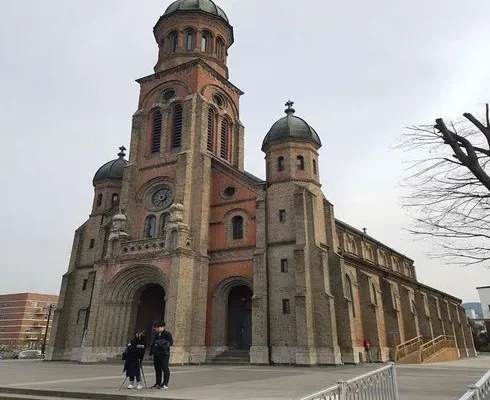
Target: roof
291, 127
207, 6
112, 170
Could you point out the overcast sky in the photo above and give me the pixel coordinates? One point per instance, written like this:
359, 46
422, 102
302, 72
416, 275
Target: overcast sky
359, 72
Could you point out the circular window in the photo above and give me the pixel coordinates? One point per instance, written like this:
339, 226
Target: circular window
168, 94
230, 191
162, 197
219, 100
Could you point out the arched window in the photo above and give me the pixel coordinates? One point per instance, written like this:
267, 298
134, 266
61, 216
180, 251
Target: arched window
300, 163
157, 132
220, 49
99, 200
224, 139
210, 129
174, 42
237, 225
314, 167
114, 199
163, 223
177, 126
205, 43
280, 163
348, 287
374, 295
150, 226
189, 41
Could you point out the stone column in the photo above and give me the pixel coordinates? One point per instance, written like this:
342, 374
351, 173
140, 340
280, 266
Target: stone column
436, 316
369, 313
449, 329
259, 352
392, 315
468, 335
424, 316
458, 329
409, 313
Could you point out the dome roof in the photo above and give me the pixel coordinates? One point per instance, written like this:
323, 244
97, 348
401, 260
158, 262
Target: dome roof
207, 6
291, 127
112, 170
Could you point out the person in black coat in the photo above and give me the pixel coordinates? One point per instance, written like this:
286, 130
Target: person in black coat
160, 349
133, 357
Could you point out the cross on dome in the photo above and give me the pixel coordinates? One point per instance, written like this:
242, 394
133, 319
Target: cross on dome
289, 110
122, 150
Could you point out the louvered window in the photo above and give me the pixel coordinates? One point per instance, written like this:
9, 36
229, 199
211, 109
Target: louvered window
177, 127
224, 139
157, 132
210, 129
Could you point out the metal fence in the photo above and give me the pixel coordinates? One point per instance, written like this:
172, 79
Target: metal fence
377, 385
480, 390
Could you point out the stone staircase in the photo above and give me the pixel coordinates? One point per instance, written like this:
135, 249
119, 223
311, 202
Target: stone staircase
232, 357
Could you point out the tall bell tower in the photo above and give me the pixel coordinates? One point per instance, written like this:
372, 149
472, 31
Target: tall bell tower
188, 115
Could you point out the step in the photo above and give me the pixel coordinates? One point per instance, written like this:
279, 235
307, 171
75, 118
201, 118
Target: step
38, 394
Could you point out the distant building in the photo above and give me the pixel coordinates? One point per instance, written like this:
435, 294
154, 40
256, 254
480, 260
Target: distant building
474, 306
471, 313
484, 293
23, 318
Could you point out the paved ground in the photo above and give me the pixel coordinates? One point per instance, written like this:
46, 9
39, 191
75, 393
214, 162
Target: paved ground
432, 382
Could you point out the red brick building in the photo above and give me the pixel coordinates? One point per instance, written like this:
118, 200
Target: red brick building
23, 319
236, 265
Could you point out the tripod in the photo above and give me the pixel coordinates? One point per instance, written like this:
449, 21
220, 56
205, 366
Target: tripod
142, 374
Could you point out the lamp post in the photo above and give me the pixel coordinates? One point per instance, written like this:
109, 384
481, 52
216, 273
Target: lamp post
50, 307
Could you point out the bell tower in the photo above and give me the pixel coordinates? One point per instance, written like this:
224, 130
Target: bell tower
187, 119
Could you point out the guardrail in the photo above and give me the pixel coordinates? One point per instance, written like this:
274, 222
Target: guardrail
480, 390
436, 345
408, 347
376, 385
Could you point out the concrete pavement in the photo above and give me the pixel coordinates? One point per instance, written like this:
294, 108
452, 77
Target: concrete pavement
432, 382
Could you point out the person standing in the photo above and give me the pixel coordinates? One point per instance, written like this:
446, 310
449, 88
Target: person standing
133, 357
160, 350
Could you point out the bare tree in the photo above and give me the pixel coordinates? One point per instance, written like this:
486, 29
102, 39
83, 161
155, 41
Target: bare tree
449, 186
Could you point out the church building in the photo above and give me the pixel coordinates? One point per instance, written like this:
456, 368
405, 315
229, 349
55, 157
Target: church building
236, 265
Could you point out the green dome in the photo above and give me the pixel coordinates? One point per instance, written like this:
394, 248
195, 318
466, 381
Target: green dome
206, 6
291, 127
112, 170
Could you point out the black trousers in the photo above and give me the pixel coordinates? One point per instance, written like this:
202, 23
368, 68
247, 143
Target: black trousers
160, 361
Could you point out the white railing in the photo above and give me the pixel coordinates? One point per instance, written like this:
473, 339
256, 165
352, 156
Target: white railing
480, 390
377, 385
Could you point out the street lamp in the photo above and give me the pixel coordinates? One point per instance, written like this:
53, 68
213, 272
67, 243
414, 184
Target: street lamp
50, 307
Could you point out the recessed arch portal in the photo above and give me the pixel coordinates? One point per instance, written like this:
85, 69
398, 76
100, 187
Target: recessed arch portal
232, 313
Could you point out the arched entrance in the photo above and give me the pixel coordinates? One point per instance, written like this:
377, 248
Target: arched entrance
151, 308
239, 318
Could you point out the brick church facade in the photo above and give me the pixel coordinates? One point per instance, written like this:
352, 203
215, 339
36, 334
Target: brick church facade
181, 232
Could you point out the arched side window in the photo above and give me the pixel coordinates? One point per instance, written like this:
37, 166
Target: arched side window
150, 226
237, 227
174, 42
224, 139
157, 132
114, 199
314, 167
163, 223
280, 163
300, 163
374, 295
177, 127
205, 43
99, 200
189, 41
348, 288
220, 49
210, 139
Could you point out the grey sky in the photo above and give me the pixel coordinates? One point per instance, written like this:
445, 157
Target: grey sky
359, 72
